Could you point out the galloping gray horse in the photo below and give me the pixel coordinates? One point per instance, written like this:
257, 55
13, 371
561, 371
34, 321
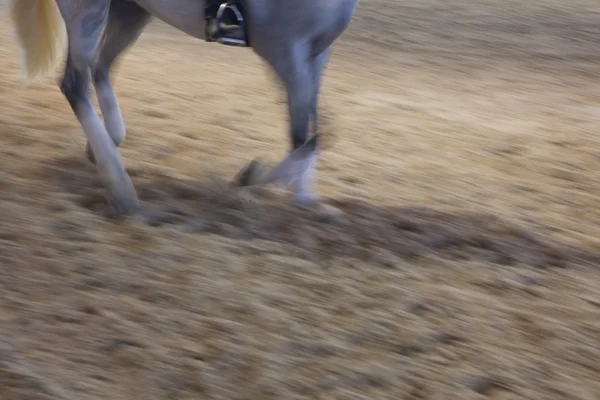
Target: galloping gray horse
292, 36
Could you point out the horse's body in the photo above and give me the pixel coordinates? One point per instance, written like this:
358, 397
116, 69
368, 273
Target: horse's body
292, 36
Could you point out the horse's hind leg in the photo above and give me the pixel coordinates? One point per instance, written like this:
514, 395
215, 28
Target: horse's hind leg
126, 21
85, 23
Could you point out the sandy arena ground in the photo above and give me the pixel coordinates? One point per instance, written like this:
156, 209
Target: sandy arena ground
463, 149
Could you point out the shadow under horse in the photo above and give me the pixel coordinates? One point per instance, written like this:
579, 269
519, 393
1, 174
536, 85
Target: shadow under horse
294, 38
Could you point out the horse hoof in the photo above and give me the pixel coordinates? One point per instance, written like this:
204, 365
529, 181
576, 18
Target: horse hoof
306, 202
123, 196
248, 175
124, 205
323, 212
89, 154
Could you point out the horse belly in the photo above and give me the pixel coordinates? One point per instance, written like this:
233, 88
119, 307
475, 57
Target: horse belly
185, 15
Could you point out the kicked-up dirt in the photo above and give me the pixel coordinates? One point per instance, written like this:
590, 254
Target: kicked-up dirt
462, 147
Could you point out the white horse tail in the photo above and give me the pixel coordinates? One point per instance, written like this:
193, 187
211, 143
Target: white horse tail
41, 35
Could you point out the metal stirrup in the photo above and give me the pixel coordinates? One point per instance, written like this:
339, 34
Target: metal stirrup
230, 6
240, 20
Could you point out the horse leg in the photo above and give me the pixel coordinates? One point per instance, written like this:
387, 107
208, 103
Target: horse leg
292, 67
301, 74
303, 186
126, 21
85, 24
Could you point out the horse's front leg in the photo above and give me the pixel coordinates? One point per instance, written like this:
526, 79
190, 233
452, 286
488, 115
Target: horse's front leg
296, 69
303, 187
